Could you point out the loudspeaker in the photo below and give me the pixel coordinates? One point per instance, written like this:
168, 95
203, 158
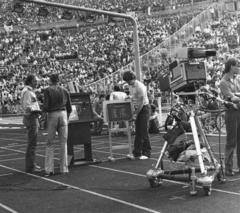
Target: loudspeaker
231, 6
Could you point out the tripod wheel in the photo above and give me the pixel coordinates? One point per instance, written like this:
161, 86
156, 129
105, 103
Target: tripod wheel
154, 183
207, 191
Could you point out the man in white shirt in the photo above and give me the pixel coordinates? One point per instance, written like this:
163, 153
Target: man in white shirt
138, 91
30, 120
117, 94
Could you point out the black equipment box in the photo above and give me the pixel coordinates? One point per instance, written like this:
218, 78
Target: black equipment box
79, 128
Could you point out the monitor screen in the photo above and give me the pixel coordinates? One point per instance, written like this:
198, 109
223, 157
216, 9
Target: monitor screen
119, 111
176, 73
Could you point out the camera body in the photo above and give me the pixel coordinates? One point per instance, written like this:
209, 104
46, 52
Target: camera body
185, 74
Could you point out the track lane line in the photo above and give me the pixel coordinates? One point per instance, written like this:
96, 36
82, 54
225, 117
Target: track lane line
7, 208
84, 190
140, 175
218, 190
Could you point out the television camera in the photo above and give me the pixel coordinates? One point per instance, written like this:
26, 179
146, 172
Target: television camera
186, 73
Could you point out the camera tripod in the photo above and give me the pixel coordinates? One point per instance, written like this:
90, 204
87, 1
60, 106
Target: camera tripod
157, 173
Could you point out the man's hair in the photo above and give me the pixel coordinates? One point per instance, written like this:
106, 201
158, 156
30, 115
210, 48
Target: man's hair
101, 96
153, 107
54, 78
230, 62
129, 75
29, 79
116, 88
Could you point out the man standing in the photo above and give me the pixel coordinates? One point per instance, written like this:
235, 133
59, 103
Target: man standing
142, 147
230, 88
57, 106
31, 108
98, 112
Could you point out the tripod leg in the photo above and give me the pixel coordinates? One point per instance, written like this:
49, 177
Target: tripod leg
161, 155
153, 173
197, 145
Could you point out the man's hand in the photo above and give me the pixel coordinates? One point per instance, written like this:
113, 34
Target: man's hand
43, 120
134, 117
235, 99
128, 97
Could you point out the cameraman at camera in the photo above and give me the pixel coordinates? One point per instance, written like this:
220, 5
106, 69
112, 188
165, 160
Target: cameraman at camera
230, 88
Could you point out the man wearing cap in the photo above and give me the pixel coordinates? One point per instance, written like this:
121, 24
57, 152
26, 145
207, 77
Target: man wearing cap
57, 106
31, 108
142, 147
230, 88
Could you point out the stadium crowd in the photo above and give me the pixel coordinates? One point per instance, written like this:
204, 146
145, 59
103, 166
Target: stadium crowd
95, 52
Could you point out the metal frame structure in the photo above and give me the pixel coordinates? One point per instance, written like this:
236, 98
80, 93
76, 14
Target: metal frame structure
90, 10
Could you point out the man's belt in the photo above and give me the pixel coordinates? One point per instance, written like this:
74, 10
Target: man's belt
61, 109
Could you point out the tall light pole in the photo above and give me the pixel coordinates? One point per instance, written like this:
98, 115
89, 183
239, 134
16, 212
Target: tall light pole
119, 15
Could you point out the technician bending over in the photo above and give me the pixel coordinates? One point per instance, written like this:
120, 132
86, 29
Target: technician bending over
138, 91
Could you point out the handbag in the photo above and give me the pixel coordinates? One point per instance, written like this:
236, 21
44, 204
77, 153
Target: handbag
173, 133
175, 150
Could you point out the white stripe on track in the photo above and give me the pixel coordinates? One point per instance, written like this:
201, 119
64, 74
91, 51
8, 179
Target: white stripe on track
115, 170
8, 154
7, 208
86, 191
181, 183
6, 174
11, 159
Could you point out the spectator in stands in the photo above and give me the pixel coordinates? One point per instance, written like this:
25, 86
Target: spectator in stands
154, 126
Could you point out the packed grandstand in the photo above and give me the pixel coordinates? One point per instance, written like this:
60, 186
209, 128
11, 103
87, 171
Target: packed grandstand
94, 55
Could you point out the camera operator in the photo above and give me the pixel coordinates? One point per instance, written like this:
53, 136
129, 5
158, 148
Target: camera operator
230, 88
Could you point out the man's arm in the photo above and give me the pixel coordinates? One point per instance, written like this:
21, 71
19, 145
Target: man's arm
111, 97
27, 100
68, 105
46, 101
94, 109
228, 93
139, 105
45, 108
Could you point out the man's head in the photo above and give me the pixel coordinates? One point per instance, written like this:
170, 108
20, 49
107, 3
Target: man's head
116, 88
54, 78
31, 80
129, 76
101, 97
153, 107
231, 66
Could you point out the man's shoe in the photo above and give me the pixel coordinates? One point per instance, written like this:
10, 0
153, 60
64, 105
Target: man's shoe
47, 174
35, 170
37, 167
229, 173
63, 173
133, 157
143, 157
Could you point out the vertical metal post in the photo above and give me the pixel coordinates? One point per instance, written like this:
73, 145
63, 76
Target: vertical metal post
137, 53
